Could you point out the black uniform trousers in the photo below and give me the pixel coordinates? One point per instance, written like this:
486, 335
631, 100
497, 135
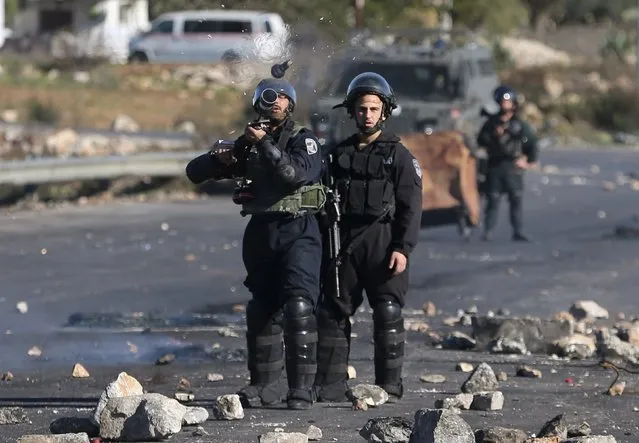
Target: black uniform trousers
282, 256
504, 178
366, 269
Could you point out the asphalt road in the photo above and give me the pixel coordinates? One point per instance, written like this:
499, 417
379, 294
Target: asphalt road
117, 286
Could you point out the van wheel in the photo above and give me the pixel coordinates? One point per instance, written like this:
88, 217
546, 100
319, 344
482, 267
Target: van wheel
138, 57
231, 57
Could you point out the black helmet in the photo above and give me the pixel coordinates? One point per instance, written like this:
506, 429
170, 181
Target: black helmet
280, 86
369, 83
504, 92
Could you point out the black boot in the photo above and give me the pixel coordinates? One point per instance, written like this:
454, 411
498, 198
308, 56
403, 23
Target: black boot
300, 338
265, 358
334, 331
389, 336
521, 237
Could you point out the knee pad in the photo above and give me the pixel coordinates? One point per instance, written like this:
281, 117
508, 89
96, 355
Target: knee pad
299, 314
387, 315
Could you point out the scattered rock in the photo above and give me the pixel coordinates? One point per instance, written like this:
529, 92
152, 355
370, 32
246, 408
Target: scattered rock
62, 143
314, 433
459, 341
387, 430
186, 127
617, 389
464, 367
563, 316
481, 379
488, 401
460, 401
612, 347
501, 376
498, 434
12, 416
34, 351
141, 417
432, 378
165, 359
556, 427
372, 395
184, 396
583, 430
124, 123
79, 371
576, 346
22, 307
352, 373
9, 116
430, 309
228, 407
440, 426
123, 386
195, 416
359, 405
60, 438
416, 325
527, 371
214, 377
588, 310
199, 432
592, 439
7, 376
509, 345
74, 425
283, 437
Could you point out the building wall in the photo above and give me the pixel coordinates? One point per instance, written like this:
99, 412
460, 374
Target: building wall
108, 36
27, 21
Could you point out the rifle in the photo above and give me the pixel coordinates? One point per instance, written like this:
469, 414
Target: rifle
334, 217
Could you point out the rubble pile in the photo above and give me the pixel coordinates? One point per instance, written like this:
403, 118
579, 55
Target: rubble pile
584, 331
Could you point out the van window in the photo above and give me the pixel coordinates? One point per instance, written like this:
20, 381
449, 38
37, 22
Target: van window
267, 26
234, 26
164, 27
199, 26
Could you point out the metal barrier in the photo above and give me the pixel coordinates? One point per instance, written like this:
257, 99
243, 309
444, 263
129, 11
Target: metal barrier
86, 168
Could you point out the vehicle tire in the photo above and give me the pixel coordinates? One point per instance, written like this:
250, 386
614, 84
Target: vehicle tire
138, 57
231, 56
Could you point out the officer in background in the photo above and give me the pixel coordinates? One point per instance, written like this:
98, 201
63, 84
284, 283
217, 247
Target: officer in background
282, 245
380, 187
511, 147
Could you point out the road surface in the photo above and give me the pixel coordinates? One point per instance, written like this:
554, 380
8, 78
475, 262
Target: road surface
117, 286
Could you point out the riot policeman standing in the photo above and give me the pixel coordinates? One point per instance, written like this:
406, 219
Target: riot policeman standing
511, 147
282, 245
380, 187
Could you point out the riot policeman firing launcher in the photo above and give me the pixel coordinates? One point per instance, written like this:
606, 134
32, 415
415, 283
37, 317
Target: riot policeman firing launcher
280, 167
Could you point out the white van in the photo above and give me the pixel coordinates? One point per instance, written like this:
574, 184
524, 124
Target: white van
206, 36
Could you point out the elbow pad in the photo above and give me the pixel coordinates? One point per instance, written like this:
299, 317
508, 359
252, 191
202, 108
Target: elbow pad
287, 173
202, 168
271, 151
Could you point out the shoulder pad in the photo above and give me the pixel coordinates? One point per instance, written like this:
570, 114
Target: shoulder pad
387, 137
297, 128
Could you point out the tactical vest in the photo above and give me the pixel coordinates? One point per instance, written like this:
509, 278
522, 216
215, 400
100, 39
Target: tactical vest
269, 196
363, 180
512, 148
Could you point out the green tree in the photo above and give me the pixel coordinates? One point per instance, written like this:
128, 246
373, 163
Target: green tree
495, 16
